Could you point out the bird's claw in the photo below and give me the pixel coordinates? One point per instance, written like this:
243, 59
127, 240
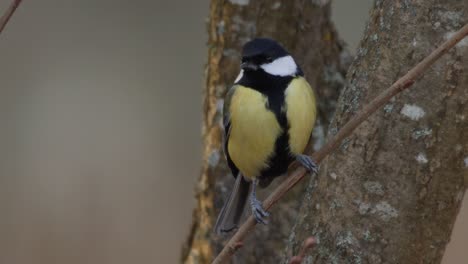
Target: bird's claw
308, 163
258, 212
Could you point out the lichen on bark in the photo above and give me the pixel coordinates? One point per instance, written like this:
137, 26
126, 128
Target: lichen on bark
392, 191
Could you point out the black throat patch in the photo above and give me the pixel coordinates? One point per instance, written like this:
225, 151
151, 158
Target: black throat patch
272, 87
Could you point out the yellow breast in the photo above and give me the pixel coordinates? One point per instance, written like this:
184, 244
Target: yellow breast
301, 113
254, 130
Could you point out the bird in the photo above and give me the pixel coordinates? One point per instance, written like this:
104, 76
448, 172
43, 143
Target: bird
268, 116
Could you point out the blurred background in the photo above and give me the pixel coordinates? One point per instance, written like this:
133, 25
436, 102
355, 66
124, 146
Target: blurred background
100, 113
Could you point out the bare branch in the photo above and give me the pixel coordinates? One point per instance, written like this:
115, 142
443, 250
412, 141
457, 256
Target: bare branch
400, 85
8, 14
308, 244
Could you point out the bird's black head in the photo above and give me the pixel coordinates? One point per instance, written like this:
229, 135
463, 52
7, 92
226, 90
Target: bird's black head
267, 55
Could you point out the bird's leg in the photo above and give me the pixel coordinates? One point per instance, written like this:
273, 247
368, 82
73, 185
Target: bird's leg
307, 162
257, 209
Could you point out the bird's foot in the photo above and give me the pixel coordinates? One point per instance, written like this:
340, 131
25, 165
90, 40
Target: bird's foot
257, 210
308, 163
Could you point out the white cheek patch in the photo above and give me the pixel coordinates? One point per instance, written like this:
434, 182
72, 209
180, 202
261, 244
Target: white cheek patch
284, 66
241, 73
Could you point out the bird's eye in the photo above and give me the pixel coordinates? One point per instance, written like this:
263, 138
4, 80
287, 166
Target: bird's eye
269, 59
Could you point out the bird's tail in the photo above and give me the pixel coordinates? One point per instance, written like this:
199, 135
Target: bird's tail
231, 213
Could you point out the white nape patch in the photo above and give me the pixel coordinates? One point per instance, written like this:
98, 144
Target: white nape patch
284, 66
241, 73
421, 158
240, 2
414, 112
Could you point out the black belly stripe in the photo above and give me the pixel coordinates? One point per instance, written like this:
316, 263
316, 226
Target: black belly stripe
273, 88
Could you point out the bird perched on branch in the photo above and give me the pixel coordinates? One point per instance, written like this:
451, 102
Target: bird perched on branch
268, 118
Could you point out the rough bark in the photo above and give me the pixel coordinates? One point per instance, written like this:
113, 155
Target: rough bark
392, 192
305, 29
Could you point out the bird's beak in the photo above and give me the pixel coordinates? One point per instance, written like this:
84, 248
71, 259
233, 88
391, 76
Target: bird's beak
249, 66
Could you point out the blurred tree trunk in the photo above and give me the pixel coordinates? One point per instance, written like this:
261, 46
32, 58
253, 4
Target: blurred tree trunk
392, 191
305, 29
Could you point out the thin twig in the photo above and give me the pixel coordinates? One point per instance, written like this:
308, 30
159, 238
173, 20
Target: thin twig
403, 83
308, 244
6, 17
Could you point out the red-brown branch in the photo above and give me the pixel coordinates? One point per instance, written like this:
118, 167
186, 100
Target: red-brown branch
308, 244
400, 85
8, 14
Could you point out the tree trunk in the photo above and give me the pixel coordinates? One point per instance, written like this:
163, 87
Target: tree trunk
304, 28
392, 191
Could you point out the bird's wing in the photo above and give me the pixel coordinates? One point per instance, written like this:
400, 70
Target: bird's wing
226, 114
227, 128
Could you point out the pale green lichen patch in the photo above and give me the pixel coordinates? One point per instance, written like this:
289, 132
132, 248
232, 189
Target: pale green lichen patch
388, 108
374, 187
345, 239
364, 208
368, 236
336, 204
421, 158
385, 211
413, 112
450, 19
382, 209
214, 158
422, 132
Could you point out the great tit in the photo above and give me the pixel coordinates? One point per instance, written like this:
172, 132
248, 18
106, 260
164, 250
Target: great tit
268, 117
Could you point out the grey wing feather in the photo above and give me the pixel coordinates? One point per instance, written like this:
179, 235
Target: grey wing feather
230, 215
231, 212
227, 116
